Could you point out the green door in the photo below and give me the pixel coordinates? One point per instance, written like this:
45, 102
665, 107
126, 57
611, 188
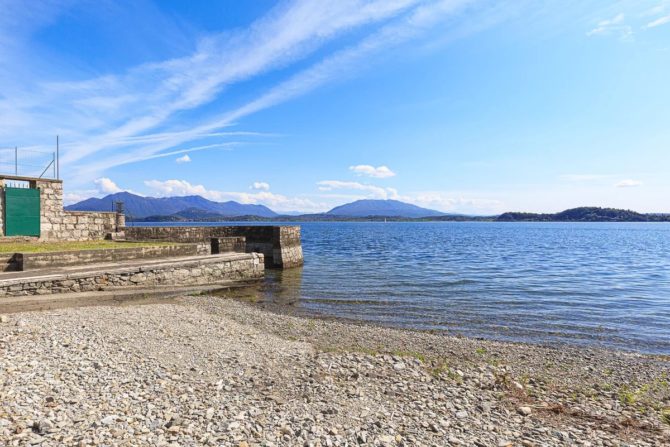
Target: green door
22, 212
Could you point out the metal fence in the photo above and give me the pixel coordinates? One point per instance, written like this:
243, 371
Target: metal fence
29, 162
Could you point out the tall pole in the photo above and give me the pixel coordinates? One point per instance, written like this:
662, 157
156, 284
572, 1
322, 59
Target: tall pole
16, 160
57, 159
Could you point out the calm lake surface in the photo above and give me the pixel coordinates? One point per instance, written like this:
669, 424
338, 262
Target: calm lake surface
605, 284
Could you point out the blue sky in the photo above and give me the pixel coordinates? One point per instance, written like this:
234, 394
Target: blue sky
461, 106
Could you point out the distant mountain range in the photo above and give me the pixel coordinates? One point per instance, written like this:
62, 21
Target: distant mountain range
193, 208
199, 209
138, 207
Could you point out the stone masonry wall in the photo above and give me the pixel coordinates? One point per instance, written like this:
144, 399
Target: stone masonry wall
237, 244
253, 234
221, 269
58, 224
280, 245
287, 251
30, 261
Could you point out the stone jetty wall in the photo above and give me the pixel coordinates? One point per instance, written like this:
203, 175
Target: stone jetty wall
31, 261
203, 271
281, 245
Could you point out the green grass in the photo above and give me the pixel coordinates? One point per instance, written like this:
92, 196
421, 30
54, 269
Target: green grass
416, 355
43, 247
665, 416
439, 369
627, 396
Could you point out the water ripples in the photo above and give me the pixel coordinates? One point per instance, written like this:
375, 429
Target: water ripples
598, 284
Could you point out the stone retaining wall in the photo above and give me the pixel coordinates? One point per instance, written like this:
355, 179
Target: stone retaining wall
220, 269
31, 261
281, 245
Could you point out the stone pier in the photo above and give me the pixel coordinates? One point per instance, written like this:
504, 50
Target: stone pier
280, 245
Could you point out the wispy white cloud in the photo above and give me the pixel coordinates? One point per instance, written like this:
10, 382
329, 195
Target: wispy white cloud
128, 117
613, 26
334, 67
605, 25
183, 159
140, 155
277, 202
371, 171
661, 8
261, 186
658, 22
108, 112
628, 183
344, 62
661, 12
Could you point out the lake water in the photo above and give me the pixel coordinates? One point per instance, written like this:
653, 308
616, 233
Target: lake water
605, 284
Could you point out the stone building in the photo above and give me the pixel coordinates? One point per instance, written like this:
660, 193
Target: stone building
33, 208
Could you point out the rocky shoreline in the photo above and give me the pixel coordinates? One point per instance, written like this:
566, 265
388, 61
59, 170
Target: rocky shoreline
202, 370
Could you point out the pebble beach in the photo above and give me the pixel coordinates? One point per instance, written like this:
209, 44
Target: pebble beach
203, 370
